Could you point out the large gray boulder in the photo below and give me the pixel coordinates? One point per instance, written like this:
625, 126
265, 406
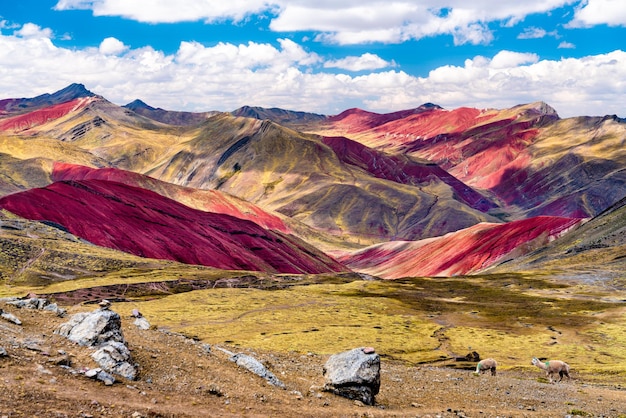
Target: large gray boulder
93, 328
354, 374
102, 330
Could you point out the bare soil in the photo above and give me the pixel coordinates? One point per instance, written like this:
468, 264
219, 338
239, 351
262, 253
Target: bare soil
179, 378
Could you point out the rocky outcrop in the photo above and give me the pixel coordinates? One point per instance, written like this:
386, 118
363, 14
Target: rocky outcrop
354, 374
101, 329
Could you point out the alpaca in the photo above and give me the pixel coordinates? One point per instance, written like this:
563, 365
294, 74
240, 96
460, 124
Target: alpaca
553, 367
486, 364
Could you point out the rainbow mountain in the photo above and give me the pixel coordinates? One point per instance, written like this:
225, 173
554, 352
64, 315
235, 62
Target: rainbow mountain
419, 192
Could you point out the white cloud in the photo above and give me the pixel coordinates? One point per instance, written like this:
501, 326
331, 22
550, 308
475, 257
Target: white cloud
566, 45
112, 46
532, 33
340, 21
227, 76
366, 61
168, 11
30, 30
598, 12
510, 59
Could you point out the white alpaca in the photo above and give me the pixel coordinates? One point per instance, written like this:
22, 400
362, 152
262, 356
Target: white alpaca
486, 364
553, 367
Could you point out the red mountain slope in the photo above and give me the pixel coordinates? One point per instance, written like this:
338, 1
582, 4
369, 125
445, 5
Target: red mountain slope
400, 169
144, 223
206, 200
462, 252
41, 116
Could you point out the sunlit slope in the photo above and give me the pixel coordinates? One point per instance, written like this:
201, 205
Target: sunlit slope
532, 161
596, 249
144, 223
11, 107
463, 252
301, 177
169, 117
35, 255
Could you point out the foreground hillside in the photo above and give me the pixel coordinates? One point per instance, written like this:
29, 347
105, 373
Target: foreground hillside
178, 377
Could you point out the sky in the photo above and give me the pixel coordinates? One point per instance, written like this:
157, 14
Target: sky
321, 56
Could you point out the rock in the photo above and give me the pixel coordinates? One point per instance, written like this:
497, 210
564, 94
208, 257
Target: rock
3, 352
94, 328
102, 329
33, 302
141, 323
104, 304
354, 375
10, 317
114, 357
105, 377
92, 373
252, 364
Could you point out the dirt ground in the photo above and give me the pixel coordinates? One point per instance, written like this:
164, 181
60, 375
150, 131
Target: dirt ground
179, 378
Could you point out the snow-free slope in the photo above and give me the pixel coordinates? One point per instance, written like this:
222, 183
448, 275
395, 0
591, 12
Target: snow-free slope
144, 223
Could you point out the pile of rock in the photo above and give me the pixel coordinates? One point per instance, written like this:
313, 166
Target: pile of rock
102, 330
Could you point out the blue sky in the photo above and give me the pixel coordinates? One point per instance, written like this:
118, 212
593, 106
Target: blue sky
321, 56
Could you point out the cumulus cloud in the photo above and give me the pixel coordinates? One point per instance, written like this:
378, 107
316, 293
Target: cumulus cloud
341, 21
510, 59
566, 45
598, 12
30, 30
167, 11
112, 46
366, 61
284, 74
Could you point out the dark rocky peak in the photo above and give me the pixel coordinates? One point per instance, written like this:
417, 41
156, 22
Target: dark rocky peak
138, 104
71, 92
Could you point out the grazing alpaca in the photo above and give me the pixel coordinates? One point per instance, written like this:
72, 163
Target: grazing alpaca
553, 367
486, 364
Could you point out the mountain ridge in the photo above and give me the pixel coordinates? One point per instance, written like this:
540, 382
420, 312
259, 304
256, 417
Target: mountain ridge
347, 181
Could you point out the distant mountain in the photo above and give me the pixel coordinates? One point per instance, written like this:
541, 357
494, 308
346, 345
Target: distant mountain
288, 118
381, 183
168, 116
528, 159
303, 178
358, 119
462, 252
22, 105
594, 251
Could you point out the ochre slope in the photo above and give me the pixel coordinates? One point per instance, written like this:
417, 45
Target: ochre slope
463, 252
404, 170
144, 223
300, 176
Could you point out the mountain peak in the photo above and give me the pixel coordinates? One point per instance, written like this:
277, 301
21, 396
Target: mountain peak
71, 92
138, 104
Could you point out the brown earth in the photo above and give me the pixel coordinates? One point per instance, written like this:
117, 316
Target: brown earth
178, 378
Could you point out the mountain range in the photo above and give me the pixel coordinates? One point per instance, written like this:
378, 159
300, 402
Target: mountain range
419, 192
